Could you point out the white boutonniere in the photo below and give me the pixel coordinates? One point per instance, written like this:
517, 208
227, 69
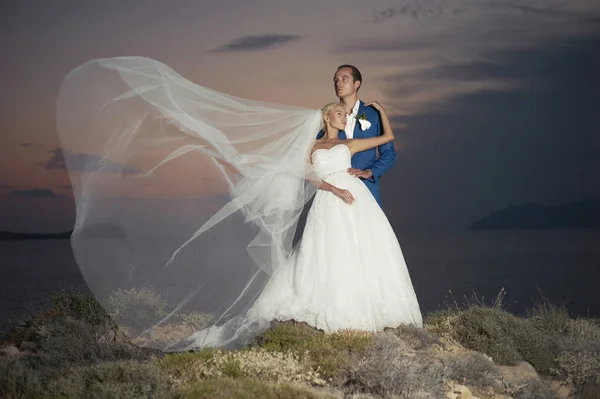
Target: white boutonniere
364, 123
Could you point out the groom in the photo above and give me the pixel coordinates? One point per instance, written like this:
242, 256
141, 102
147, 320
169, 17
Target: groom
362, 122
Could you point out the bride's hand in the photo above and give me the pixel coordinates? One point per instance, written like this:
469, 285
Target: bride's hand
344, 195
375, 105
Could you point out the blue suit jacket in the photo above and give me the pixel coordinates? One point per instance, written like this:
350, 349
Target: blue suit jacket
368, 159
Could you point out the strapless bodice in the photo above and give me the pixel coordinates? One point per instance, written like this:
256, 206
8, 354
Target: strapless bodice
332, 161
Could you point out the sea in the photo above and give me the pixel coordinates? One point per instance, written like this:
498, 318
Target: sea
447, 269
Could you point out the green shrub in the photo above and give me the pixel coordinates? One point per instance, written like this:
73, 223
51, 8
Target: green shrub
122, 379
488, 331
196, 319
506, 338
17, 380
583, 330
137, 307
416, 338
579, 367
68, 342
440, 320
327, 353
579, 360
287, 336
549, 317
79, 306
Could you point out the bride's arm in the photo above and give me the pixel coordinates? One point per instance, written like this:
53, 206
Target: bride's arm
344, 195
358, 145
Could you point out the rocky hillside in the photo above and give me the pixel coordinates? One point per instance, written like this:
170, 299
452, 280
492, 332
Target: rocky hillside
74, 349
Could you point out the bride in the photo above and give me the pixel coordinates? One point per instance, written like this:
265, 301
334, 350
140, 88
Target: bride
334, 280
128, 127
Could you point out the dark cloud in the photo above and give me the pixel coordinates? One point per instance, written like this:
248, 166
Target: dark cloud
484, 151
6, 187
417, 9
255, 43
88, 162
549, 10
35, 193
433, 9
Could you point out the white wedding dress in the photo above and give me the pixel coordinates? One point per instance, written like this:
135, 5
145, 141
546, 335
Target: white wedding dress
348, 271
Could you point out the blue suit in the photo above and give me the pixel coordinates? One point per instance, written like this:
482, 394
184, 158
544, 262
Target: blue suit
368, 159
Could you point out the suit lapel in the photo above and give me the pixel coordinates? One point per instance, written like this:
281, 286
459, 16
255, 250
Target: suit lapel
358, 133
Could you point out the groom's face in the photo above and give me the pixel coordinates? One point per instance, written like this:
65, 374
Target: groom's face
344, 83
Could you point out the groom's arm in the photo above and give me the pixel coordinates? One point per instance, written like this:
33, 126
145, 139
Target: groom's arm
387, 155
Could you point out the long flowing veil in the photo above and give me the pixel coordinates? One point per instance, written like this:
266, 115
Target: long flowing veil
187, 199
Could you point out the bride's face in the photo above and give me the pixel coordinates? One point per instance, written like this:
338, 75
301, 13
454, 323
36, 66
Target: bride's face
337, 117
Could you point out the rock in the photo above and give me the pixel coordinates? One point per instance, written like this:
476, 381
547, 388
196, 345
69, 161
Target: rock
162, 336
171, 333
9, 350
421, 395
562, 391
127, 331
28, 346
519, 374
458, 391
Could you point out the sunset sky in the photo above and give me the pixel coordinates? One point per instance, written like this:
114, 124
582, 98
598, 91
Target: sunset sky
493, 102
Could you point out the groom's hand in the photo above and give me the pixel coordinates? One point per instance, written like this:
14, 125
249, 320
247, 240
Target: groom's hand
363, 174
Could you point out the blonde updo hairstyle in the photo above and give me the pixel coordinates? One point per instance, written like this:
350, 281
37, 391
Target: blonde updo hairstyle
325, 112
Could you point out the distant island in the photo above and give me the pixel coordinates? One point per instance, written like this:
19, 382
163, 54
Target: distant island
10, 236
98, 230
572, 215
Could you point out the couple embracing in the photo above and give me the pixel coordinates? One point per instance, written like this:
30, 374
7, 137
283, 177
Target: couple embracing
346, 272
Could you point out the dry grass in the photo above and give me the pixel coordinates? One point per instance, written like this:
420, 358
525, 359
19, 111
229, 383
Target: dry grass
389, 367
254, 363
474, 370
227, 388
329, 354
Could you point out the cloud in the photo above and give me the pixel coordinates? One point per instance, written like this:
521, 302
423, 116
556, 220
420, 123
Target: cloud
435, 10
444, 49
418, 10
255, 43
87, 162
35, 193
4, 187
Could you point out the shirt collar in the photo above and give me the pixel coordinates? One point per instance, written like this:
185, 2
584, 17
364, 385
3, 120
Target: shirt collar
355, 109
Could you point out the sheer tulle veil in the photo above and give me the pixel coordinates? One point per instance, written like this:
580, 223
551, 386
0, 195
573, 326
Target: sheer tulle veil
187, 199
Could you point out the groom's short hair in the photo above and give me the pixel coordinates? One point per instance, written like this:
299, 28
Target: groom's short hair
356, 75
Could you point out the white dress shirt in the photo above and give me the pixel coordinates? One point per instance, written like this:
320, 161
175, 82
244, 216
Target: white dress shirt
351, 122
